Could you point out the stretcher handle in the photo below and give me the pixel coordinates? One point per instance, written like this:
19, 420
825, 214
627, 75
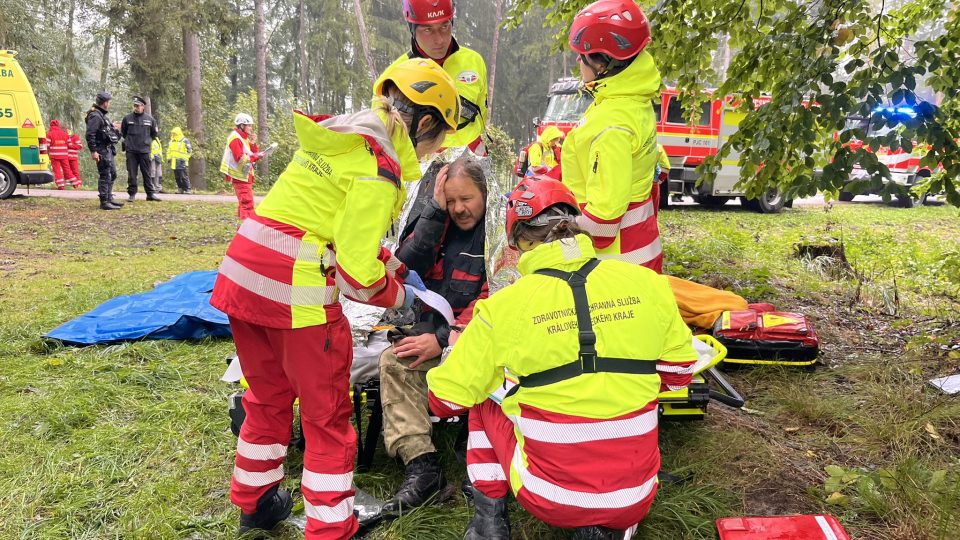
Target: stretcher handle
729, 395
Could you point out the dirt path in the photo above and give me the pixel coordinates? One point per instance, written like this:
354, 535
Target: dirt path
141, 197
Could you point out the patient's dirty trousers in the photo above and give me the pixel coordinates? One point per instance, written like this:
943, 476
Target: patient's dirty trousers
407, 428
311, 363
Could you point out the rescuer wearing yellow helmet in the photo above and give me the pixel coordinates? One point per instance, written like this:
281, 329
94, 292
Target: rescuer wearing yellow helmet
316, 235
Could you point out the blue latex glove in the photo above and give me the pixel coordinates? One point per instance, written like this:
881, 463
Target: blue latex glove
409, 297
413, 279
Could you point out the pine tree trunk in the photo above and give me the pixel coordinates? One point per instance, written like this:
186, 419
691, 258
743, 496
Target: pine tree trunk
304, 64
493, 59
191, 59
105, 64
364, 42
260, 44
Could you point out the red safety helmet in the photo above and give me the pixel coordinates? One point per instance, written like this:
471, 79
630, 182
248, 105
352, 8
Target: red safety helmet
427, 11
617, 28
534, 195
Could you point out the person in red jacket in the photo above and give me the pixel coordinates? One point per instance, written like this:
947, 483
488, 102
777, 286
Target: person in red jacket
58, 144
239, 156
74, 145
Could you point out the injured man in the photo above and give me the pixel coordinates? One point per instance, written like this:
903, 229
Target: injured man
445, 245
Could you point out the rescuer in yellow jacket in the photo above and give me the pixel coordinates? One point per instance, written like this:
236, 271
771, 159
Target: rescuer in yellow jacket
179, 151
317, 234
608, 160
431, 29
543, 153
591, 344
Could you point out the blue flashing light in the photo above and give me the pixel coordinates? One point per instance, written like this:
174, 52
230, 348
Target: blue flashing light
907, 111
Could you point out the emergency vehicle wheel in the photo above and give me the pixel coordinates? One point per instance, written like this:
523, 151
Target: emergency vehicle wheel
905, 200
771, 202
846, 196
8, 181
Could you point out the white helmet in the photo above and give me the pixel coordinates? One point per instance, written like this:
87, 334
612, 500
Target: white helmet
243, 118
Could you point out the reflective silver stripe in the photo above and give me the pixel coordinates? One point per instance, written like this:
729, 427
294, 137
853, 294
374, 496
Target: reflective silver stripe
621, 498
280, 241
360, 295
271, 289
825, 528
453, 406
683, 370
478, 439
320, 482
637, 215
330, 514
596, 229
486, 472
672, 387
550, 432
637, 256
609, 128
261, 452
258, 479
570, 249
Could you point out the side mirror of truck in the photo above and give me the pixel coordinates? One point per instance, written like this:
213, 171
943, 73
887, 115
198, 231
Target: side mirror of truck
536, 121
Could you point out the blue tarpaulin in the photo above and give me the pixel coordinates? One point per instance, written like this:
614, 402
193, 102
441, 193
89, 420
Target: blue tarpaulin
177, 309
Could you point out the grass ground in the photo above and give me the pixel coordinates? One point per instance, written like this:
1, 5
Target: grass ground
131, 440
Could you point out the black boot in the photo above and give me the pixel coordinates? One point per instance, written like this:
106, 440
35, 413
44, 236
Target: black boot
423, 479
491, 521
272, 508
598, 533
152, 197
116, 202
108, 206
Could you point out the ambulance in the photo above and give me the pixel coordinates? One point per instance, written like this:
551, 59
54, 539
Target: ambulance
23, 147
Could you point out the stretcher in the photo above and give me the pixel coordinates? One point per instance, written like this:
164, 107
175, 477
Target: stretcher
707, 385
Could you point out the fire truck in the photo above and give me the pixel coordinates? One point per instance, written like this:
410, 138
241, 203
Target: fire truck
686, 145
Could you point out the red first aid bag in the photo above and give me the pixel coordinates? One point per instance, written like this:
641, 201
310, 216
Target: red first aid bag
808, 527
762, 336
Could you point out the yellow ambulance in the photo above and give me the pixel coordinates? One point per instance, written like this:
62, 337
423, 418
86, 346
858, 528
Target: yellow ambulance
23, 137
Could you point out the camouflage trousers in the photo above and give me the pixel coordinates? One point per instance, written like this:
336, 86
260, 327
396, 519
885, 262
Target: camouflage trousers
407, 428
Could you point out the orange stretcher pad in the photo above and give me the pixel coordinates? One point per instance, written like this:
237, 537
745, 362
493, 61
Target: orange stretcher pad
803, 527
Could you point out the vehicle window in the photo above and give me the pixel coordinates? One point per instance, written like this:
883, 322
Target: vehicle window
656, 110
567, 107
677, 115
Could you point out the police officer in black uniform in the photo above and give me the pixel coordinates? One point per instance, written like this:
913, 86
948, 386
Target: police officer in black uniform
139, 129
101, 138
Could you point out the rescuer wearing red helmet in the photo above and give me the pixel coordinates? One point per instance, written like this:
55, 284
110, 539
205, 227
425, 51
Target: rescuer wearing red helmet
609, 159
592, 343
431, 30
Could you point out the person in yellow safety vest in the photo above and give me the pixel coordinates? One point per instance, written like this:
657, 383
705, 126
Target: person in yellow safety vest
608, 160
591, 344
543, 153
315, 235
237, 163
156, 165
431, 29
179, 151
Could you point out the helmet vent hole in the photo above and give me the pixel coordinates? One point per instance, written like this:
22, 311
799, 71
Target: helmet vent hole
627, 15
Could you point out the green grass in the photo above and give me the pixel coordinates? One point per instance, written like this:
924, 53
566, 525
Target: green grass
132, 440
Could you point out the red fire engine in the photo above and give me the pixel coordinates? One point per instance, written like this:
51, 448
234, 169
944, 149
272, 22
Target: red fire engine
686, 145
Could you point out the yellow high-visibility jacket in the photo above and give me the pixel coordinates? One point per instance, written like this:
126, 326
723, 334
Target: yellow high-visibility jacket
662, 158
178, 149
317, 233
531, 326
541, 154
608, 162
469, 72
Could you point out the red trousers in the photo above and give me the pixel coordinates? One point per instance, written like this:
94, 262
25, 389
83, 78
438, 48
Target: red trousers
75, 172
62, 169
311, 363
491, 447
244, 191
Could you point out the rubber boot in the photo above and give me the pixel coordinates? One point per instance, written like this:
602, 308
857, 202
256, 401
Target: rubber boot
598, 533
491, 521
272, 508
423, 479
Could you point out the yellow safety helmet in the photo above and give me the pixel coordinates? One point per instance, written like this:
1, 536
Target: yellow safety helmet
425, 83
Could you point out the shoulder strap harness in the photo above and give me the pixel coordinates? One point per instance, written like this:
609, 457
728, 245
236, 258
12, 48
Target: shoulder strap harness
587, 360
